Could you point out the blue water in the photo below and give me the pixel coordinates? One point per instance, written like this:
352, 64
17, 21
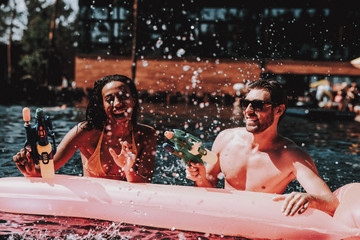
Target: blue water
334, 145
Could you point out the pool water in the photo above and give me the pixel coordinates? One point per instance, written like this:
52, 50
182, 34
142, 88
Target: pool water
334, 146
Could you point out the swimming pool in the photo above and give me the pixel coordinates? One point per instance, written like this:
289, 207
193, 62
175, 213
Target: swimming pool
334, 145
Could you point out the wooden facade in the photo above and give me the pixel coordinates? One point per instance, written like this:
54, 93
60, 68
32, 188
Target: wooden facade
209, 46
311, 67
208, 76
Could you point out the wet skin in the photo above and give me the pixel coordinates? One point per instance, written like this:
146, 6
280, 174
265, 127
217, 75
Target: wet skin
117, 155
256, 158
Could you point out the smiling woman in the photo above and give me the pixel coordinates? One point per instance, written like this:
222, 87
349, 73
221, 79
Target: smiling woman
118, 102
111, 141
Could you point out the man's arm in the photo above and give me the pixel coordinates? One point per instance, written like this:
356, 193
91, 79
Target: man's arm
203, 176
318, 195
207, 176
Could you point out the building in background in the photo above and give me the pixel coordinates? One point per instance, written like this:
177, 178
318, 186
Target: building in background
200, 46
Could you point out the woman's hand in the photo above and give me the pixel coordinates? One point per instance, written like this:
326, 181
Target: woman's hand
25, 163
126, 159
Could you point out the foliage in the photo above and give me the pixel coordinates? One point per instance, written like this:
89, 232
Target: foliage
39, 56
7, 8
4, 15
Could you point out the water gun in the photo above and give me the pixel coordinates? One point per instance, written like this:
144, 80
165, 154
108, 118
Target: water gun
188, 147
42, 151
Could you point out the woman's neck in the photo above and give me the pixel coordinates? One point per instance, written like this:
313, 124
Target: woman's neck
122, 130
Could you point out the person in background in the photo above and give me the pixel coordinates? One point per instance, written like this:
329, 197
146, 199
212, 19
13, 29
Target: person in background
111, 141
352, 96
256, 158
324, 95
339, 100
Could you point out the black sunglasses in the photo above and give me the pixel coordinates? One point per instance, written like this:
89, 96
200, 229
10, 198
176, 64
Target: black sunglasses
257, 105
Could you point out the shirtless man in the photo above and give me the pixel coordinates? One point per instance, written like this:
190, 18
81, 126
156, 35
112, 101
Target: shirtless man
256, 158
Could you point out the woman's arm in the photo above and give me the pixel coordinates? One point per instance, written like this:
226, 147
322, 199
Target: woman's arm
71, 142
67, 147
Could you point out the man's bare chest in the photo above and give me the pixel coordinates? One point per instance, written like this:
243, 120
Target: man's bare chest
248, 169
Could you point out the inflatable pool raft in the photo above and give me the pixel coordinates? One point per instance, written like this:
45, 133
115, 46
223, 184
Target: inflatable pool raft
215, 211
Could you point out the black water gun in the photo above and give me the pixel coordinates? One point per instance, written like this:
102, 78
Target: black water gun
188, 147
37, 137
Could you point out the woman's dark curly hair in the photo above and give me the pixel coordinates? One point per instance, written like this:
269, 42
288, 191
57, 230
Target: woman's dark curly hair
95, 112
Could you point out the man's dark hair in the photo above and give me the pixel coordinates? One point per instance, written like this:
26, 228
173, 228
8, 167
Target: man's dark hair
95, 112
277, 91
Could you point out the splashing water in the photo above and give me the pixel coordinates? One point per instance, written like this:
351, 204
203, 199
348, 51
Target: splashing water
180, 52
333, 145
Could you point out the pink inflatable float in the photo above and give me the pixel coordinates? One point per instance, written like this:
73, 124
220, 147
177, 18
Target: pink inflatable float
216, 211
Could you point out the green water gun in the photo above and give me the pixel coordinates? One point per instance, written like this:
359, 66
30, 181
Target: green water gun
42, 151
188, 147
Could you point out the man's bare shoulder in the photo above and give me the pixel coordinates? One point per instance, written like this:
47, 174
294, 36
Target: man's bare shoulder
290, 150
231, 132
228, 136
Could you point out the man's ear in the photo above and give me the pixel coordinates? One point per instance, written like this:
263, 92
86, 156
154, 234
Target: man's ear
281, 109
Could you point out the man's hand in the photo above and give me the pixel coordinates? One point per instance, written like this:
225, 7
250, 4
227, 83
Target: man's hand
195, 171
294, 202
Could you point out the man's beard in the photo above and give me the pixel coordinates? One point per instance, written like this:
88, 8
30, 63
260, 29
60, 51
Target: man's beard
261, 126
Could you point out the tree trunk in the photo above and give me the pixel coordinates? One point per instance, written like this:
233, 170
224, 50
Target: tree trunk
52, 25
134, 41
9, 73
51, 64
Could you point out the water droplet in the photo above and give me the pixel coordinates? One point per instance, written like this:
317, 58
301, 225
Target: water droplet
180, 52
186, 68
220, 176
145, 63
159, 43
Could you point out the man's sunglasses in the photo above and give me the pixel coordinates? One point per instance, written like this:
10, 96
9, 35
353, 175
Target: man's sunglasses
257, 105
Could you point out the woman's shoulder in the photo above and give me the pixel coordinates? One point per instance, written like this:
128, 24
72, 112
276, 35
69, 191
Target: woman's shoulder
146, 129
79, 136
82, 131
146, 134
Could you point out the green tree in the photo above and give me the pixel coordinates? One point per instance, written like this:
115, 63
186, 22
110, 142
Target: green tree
8, 16
5, 14
43, 57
